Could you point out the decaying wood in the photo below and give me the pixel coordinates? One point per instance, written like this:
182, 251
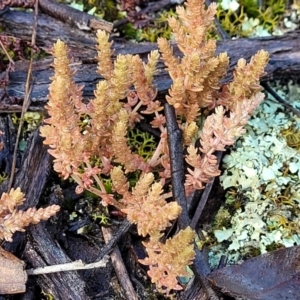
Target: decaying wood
31, 177
32, 171
62, 12
42, 251
284, 57
73, 16
7, 140
16, 3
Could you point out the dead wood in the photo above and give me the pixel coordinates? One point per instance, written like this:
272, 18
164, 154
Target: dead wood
32, 171
31, 176
284, 57
7, 140
42, 251
73, 16
119, 267
62, 12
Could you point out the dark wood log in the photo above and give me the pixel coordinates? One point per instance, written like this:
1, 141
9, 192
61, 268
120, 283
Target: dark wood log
7, 139
62, 12
32, 171
31, 176
73, 16
42, 251
284, 57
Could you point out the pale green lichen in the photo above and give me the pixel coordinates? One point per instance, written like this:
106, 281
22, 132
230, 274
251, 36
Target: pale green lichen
266, 171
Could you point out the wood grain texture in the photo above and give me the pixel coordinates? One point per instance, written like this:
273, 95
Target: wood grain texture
284, 57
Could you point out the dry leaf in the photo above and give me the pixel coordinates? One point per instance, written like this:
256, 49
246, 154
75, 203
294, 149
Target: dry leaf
12, 275
271, 276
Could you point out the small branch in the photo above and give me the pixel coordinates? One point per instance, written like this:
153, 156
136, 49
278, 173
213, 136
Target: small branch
204, 198
26, 102
73, 266
73, 16
175, 143
280, 100
200, 266
113, 241
120, 268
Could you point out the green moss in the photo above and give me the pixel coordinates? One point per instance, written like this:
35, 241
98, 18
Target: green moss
3, 177
47, 296
292, 137
102, 217
274, 246
251, 252
222, 219
31, 120
231, 21
235, 199
155, 29
105, 9
141, 143
107, 184
250, 19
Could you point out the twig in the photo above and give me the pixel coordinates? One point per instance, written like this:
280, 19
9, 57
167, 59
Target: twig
112, 242
204, 198
222, 33
73, 266
6, 53
193, 201
26, 102
73, 16
280, 100
120, 268
175, 143
200, 265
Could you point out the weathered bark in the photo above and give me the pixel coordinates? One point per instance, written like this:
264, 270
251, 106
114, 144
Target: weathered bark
31, 176
7, 139
284, 57
32, 172
62, 12
73, 16
42, 251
